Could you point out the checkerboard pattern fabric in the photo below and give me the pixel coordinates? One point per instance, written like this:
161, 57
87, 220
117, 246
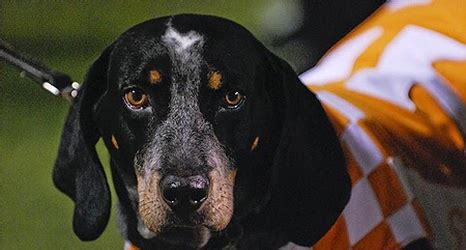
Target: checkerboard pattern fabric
395, 90
382, 212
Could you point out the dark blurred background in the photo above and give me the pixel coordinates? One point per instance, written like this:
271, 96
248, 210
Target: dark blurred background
68, 36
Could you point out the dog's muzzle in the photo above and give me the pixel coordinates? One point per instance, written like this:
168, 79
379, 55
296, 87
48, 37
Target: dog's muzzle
196, 201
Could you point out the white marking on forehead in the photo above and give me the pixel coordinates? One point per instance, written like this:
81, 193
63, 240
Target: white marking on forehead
178, 41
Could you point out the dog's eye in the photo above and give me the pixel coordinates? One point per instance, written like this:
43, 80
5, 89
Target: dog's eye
136, 98
233, 99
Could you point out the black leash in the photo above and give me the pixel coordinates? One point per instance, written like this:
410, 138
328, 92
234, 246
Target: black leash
55, 82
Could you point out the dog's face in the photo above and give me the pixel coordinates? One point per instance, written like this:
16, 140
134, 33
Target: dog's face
180, 111
202, 125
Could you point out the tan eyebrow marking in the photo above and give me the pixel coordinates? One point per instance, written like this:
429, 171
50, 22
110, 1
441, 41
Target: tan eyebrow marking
115, 142
255, 143
215, 80
155, 77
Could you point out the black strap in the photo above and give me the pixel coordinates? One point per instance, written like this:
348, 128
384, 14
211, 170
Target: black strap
53, 81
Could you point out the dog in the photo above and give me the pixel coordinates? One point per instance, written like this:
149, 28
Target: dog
214, 142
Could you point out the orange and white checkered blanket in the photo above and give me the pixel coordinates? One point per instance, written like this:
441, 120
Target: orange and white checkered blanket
395, 89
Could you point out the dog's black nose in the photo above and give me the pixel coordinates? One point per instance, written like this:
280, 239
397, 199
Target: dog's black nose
184, 194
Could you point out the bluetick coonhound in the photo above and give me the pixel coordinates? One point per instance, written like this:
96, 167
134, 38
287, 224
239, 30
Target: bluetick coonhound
213, 142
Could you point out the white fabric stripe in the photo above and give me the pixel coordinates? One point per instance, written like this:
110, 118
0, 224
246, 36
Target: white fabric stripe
395, 5
405, 225
338, 64
365, 152
397, 165
344, 107
363, 212
384, 85
407, 60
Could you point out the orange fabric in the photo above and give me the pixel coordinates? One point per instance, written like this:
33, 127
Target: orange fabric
388, 189
378, 238
411, 124
449, 70
434, 16
353, 169
336, 238
434, 138
431, 111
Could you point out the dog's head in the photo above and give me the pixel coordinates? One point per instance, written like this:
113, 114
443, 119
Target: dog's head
205, 128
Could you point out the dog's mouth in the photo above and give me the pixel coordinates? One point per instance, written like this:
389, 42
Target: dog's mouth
196, 236
166, 222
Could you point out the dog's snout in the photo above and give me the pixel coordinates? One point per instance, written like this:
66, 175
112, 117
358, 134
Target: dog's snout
184, 194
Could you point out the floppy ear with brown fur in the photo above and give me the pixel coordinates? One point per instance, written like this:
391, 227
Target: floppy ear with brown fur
78, 172
310, 183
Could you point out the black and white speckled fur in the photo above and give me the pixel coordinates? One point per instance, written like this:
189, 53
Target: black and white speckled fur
288, 187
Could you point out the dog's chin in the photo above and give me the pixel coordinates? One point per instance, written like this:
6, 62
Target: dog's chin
193, 237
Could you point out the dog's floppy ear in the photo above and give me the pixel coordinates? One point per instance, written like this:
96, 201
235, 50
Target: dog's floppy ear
78, 172
310, 183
